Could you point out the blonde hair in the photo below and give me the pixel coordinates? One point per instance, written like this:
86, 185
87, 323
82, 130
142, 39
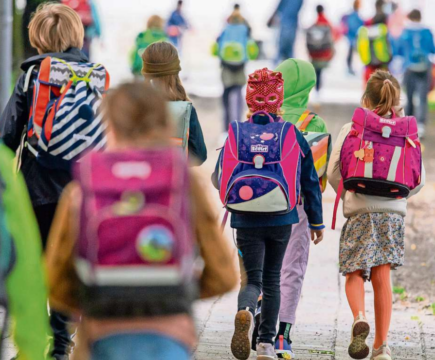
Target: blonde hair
170, 85
55, 28
134, 110
236, 17
155, 22
382, 93
279, 113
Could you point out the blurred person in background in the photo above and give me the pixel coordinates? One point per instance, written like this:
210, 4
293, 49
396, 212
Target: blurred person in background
351, 24
88, 13
373, 42
234, 49
320, 45
159, 325
416, 45
287, 13
176, 26
155, 32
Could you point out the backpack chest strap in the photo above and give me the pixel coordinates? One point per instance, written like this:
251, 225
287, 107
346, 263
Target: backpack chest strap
305, 120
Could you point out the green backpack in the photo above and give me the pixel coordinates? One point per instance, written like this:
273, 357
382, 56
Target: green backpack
143, 40
373, 45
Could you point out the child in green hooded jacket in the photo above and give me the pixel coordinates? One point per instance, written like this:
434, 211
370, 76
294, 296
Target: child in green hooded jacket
22, 284
299, 79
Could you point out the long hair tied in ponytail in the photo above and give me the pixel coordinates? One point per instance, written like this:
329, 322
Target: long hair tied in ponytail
382, 93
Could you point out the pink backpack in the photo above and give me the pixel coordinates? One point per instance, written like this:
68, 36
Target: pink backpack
135, 251
380, 156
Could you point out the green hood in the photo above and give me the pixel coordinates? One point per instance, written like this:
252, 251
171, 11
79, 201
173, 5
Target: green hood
299, 78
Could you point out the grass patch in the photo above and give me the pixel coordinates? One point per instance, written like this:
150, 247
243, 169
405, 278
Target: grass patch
398, 290
419, 298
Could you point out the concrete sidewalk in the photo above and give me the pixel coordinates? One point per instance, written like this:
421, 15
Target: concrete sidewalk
324, 318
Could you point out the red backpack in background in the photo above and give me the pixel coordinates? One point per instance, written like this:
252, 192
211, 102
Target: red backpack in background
83, 8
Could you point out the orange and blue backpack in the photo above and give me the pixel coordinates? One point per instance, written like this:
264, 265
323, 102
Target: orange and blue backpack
65, 120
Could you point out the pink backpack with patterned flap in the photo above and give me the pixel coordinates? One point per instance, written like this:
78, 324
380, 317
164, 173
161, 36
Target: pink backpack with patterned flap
135, 250
380, 156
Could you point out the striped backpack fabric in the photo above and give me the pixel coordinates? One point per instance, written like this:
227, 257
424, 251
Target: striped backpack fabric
259, 167
65, 120
320, 144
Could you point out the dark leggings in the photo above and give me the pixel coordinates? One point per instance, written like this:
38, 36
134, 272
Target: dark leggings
350, 58
233, 104
319, 78
58, 322
262, 251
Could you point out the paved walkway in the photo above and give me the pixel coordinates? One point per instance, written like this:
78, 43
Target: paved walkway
324, 318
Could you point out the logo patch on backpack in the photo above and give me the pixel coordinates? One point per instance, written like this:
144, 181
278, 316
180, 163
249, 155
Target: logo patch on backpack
155, 244
387, 121
259, 148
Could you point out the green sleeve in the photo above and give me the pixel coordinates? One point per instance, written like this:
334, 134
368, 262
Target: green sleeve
26, 286
317, 124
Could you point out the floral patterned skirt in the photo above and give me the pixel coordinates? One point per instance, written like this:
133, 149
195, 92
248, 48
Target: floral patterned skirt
372, 239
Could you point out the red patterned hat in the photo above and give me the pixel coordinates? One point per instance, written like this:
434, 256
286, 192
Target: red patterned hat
265, 91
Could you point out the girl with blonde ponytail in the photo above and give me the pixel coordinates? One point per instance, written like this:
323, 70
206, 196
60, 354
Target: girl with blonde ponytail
372, 239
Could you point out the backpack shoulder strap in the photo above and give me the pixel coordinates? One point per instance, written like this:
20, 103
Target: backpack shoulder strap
305, 120
28, 77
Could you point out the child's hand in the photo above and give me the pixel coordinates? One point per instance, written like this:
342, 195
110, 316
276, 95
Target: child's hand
317, 236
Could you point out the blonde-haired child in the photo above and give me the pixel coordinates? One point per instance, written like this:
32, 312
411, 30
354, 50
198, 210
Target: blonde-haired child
373, 238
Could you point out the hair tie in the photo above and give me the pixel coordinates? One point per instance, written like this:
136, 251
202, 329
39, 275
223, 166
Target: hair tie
161, 69
388, 81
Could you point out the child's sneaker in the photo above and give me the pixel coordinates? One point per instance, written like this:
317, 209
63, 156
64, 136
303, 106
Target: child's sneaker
265, 351
241, 342
383, 353
257, 324
358, 348
283, 348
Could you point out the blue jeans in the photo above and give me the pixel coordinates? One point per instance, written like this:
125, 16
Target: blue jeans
138, 346
417, 83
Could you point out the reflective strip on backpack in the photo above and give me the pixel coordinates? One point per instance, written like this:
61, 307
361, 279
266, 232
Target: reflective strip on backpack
394, 164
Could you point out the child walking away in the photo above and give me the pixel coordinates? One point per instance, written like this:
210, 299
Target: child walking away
21, 272
313, 127
161, 68
351, 24
320, 44
415, 45
373, 42
132, 257
260, 183
155, 32
53, 118
377, 160
234, 49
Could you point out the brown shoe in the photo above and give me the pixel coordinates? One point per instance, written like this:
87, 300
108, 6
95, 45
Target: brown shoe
241, 342
358, 348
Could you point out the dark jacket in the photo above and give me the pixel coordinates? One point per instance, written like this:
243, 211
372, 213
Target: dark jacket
196, 146
44, 185
311, 193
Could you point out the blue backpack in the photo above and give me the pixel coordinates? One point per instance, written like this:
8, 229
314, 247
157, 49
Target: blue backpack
418, 59
233, 44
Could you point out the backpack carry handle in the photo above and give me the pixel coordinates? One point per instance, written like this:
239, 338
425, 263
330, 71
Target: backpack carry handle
261, 112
